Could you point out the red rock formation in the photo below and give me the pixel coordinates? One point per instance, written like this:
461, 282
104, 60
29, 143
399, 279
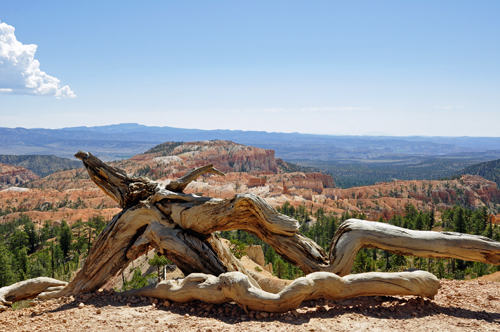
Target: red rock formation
285, 188
314, 181
256, 182
15, 175
227, 156
331, 192
326, 180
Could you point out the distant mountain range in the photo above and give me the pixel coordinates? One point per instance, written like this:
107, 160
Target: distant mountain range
125, 140
352, 160
39, 164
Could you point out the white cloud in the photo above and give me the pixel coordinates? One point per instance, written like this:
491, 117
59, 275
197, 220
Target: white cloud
20, 72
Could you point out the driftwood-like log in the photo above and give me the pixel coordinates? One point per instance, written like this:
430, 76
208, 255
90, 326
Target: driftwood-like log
181, 183
28, 289
235, 286
354, 234
182, 227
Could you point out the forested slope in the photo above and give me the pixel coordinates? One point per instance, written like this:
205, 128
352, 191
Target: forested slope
489, 170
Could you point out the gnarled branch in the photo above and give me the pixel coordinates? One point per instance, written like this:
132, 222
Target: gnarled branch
27, 289
181, 226
235, 286
181, 183
354, 234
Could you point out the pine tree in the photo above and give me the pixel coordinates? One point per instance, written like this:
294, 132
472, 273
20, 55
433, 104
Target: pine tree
6, 275
431, 220
65, 238
159, 262
459, 221
30, 230
22, 261
279, 268
419, 223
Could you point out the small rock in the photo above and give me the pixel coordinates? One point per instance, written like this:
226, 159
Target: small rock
81, 305
414, 314
186, 316
264, 314
98, 311
166, 304
157, 321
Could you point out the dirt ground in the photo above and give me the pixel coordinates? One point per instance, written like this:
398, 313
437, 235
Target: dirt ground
459, 306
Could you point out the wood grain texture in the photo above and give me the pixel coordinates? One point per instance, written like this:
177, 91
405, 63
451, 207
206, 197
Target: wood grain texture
235, 286
183, 227
354, 234
181, 183
27, 289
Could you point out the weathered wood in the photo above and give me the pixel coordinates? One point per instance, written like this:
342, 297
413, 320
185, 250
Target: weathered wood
204, 215
125, 190
181, 226
132, 231
181, 183
254, 215
27, 289
354, 234
235, 286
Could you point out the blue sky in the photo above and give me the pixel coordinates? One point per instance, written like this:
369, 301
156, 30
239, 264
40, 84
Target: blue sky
326, 67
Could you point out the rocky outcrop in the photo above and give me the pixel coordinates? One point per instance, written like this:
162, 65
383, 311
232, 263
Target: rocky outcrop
256, 182
331, 192
255, 253
313, 181
15, 175
226, 156
325, 179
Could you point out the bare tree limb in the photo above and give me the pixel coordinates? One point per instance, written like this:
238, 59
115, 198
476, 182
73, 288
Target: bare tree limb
27, 289
181, 183
354, 234
235, 286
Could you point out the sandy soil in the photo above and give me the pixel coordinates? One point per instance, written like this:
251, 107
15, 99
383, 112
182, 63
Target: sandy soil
459, 306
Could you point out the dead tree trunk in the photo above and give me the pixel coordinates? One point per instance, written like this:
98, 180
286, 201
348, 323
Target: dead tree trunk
182, 227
